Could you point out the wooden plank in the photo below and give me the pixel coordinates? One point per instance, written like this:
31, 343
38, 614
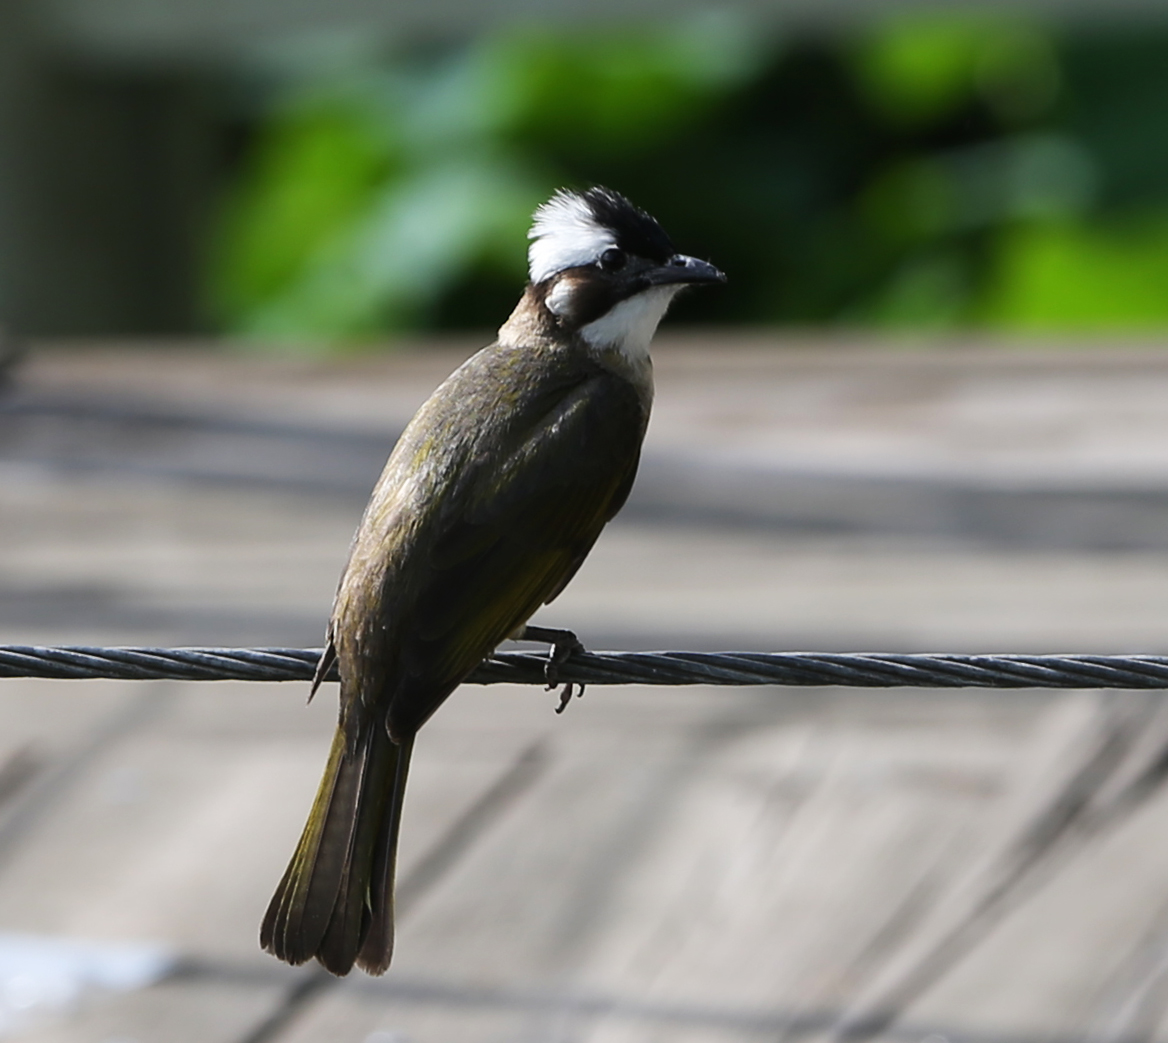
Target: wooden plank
688, 865
722, 865
174, 1012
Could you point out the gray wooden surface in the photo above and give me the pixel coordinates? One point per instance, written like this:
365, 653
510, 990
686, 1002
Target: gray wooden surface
656, 865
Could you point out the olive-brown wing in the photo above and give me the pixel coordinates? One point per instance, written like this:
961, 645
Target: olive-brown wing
525, 517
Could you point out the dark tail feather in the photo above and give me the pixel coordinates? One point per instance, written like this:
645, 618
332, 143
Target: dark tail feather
337, 890
300, 909
377, 945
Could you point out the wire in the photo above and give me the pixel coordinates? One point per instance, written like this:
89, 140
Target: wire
857, 670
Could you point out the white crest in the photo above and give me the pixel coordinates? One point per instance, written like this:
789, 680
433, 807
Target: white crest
564, 234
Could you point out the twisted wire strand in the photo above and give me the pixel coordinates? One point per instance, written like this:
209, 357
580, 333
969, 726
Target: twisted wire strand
803, 669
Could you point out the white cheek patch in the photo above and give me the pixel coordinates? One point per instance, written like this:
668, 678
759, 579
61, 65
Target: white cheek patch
559, 301
564, 235
628, 327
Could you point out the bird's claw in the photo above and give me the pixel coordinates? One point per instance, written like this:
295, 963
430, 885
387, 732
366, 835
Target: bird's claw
566, 694
563, 644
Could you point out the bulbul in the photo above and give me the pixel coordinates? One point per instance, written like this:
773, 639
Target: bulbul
489, 503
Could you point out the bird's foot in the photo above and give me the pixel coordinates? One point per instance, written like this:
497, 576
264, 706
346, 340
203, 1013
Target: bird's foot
566, 694
563, 643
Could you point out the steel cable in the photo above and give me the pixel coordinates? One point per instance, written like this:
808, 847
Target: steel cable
853, 670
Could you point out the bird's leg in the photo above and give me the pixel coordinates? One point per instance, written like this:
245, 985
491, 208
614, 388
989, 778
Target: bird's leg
563, 643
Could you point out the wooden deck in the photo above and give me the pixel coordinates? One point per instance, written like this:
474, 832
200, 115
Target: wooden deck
682, 865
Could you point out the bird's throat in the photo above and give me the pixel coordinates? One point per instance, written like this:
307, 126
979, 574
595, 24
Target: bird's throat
628, 327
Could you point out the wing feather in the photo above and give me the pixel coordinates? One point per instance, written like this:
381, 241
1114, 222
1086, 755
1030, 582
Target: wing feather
489, 504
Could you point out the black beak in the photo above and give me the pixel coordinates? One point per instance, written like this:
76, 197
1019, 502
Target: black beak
683, 269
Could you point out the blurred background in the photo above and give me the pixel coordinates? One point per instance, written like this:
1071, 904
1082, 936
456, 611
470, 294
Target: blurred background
250, 169
242, 240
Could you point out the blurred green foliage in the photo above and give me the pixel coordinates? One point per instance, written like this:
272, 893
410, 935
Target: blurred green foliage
367, 196
931, 170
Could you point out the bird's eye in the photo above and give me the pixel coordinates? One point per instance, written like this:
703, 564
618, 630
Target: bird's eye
612, 260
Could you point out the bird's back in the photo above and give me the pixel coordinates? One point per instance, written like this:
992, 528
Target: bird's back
490, 501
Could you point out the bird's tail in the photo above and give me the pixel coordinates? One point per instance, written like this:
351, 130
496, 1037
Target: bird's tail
335, 901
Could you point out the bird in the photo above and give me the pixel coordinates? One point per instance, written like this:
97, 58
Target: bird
489, 503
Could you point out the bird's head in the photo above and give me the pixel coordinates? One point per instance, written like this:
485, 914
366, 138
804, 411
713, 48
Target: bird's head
605, 270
